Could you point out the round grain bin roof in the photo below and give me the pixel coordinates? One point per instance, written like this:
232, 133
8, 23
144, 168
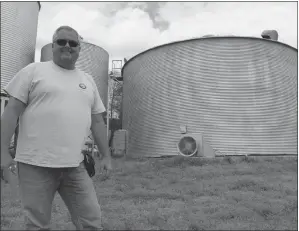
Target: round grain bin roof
18, 37
93, 60
240, 93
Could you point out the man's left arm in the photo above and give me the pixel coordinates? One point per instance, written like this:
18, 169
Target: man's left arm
98, 127
99, 132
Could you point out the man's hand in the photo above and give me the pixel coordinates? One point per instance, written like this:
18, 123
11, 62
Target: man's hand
105, 166
6, 159
8, 165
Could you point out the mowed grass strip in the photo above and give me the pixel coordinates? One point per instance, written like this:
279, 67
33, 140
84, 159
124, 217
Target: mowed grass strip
230, 193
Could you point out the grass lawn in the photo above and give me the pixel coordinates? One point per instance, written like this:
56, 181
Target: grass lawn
187, 194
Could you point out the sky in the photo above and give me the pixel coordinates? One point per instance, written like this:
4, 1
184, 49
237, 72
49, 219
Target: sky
125, 29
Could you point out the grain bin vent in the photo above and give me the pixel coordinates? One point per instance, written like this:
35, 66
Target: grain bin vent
187, 146
193, 144
208, 36
270, 34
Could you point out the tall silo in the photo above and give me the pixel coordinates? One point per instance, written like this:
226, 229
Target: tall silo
93, 60
240, 93
18, 38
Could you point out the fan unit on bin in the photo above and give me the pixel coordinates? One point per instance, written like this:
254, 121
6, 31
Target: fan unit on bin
193, 144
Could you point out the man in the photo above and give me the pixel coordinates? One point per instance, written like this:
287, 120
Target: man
57, 105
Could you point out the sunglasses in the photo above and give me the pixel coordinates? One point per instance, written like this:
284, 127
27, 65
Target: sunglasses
63, 42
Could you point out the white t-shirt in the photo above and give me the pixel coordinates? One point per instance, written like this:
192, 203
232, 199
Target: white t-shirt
57, 119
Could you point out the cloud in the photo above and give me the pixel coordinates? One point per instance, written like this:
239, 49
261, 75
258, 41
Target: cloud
125, 29
235, 18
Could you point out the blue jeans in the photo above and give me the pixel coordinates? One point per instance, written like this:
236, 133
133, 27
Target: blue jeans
38, 186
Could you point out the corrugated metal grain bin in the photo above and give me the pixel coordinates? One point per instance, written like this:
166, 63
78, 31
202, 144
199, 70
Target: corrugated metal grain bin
240, 93
93, 59
18, 37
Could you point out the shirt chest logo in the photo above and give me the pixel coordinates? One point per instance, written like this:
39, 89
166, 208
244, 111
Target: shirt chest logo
82, 85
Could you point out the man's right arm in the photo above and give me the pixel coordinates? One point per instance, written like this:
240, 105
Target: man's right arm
18, 89
9, 120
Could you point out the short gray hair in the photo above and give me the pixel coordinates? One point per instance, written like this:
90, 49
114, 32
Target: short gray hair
65, 28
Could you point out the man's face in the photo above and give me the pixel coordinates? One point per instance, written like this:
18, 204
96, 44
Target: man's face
66, 47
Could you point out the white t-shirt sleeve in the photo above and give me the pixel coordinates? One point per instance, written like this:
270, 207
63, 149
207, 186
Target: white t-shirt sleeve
97, 106
20, 84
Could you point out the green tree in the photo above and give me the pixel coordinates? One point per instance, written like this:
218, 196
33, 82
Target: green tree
115, 108
116, 100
